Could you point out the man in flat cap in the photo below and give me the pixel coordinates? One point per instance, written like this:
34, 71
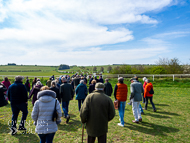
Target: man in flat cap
97, 110
17, 94
136, 91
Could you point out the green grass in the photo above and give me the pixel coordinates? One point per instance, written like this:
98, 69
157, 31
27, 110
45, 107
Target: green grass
169, 124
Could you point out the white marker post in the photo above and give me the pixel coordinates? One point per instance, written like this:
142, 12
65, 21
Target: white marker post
153, 77
173, 77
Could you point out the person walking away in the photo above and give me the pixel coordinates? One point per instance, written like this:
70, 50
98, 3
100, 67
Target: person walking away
7, 83
90, 81
96, 111
101, 79
27, 84
18, 97
149, 95
3, 89
81, 93
56, 90
35, 91
92, 86
144, 84
120, 94
97, 80
42, 115
136, 91
108, 87
66, 93
34, 82
48, 83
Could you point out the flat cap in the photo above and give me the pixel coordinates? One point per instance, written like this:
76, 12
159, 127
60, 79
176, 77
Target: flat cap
99, 86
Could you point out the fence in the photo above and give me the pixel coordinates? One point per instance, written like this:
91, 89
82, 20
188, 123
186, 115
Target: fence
121, 75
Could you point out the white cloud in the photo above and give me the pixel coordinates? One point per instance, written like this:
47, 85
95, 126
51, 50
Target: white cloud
61, 27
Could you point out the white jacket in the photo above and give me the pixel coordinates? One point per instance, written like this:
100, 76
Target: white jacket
43, 111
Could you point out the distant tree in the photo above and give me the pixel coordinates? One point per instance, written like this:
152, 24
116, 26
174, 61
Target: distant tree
63, 67
94, 68
101, 69
109, 68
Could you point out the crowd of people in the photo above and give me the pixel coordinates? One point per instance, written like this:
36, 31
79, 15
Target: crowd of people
95, 106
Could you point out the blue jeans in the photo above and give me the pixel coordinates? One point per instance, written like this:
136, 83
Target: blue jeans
141, 109
146, 103
122, 111
79, 103
48, 138
16, 108
65, 107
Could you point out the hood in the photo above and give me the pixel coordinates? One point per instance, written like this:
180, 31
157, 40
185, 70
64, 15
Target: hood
150, 84
46, 95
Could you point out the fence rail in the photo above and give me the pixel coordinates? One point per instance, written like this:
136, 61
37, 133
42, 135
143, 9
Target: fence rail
121, 75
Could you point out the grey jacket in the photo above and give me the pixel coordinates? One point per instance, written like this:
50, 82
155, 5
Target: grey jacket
43, 111
136, 90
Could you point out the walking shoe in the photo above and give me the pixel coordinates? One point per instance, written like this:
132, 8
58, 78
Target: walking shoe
67, 119
129, 103
119, 124
142, 113
154, 110
22, 128
144, 109
13, 131
135, 121
140, 120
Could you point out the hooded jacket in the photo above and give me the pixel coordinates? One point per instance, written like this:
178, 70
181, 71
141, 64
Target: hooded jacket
147, 89
34, 92
81, 91
43, 111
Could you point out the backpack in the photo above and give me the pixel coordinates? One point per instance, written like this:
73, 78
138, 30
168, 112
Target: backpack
151, 91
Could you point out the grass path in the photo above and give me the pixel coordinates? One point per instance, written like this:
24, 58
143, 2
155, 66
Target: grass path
169, 124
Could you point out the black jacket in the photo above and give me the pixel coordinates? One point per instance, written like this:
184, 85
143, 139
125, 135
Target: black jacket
66, 92
3, 102
56, 90
17, 93
108, 89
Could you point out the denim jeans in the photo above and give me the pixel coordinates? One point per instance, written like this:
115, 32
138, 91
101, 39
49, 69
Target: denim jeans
65, 107
48, 138
140, 108
122, 111
16, 108
146, 103
79, 103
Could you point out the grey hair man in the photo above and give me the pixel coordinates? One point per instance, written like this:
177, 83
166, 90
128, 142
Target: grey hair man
17, 94
97, 110
66, 94
108, 87
136, 91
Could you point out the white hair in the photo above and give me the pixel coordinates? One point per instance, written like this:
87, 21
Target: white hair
82, 81
144, 78
38, 83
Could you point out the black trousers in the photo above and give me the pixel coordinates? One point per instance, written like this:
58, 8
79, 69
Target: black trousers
146, 103
101, 139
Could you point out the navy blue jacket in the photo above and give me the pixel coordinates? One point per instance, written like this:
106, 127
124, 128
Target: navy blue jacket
17, 93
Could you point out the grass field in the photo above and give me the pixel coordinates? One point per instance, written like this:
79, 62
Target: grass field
169, 124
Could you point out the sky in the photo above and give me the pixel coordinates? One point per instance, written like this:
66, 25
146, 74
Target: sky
94, 32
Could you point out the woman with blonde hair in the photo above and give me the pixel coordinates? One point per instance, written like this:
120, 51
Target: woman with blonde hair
43, 112
35, 91
92, 86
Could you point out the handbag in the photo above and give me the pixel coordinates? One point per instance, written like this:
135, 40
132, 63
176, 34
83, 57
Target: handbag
55, 114
116, 104
151, 91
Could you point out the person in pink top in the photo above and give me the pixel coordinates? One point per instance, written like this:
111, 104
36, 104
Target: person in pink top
145, 83
6, 82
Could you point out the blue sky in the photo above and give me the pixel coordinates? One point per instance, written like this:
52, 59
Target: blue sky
93, 32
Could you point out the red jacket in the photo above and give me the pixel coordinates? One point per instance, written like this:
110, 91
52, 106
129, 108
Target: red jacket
145, 83
147, 89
